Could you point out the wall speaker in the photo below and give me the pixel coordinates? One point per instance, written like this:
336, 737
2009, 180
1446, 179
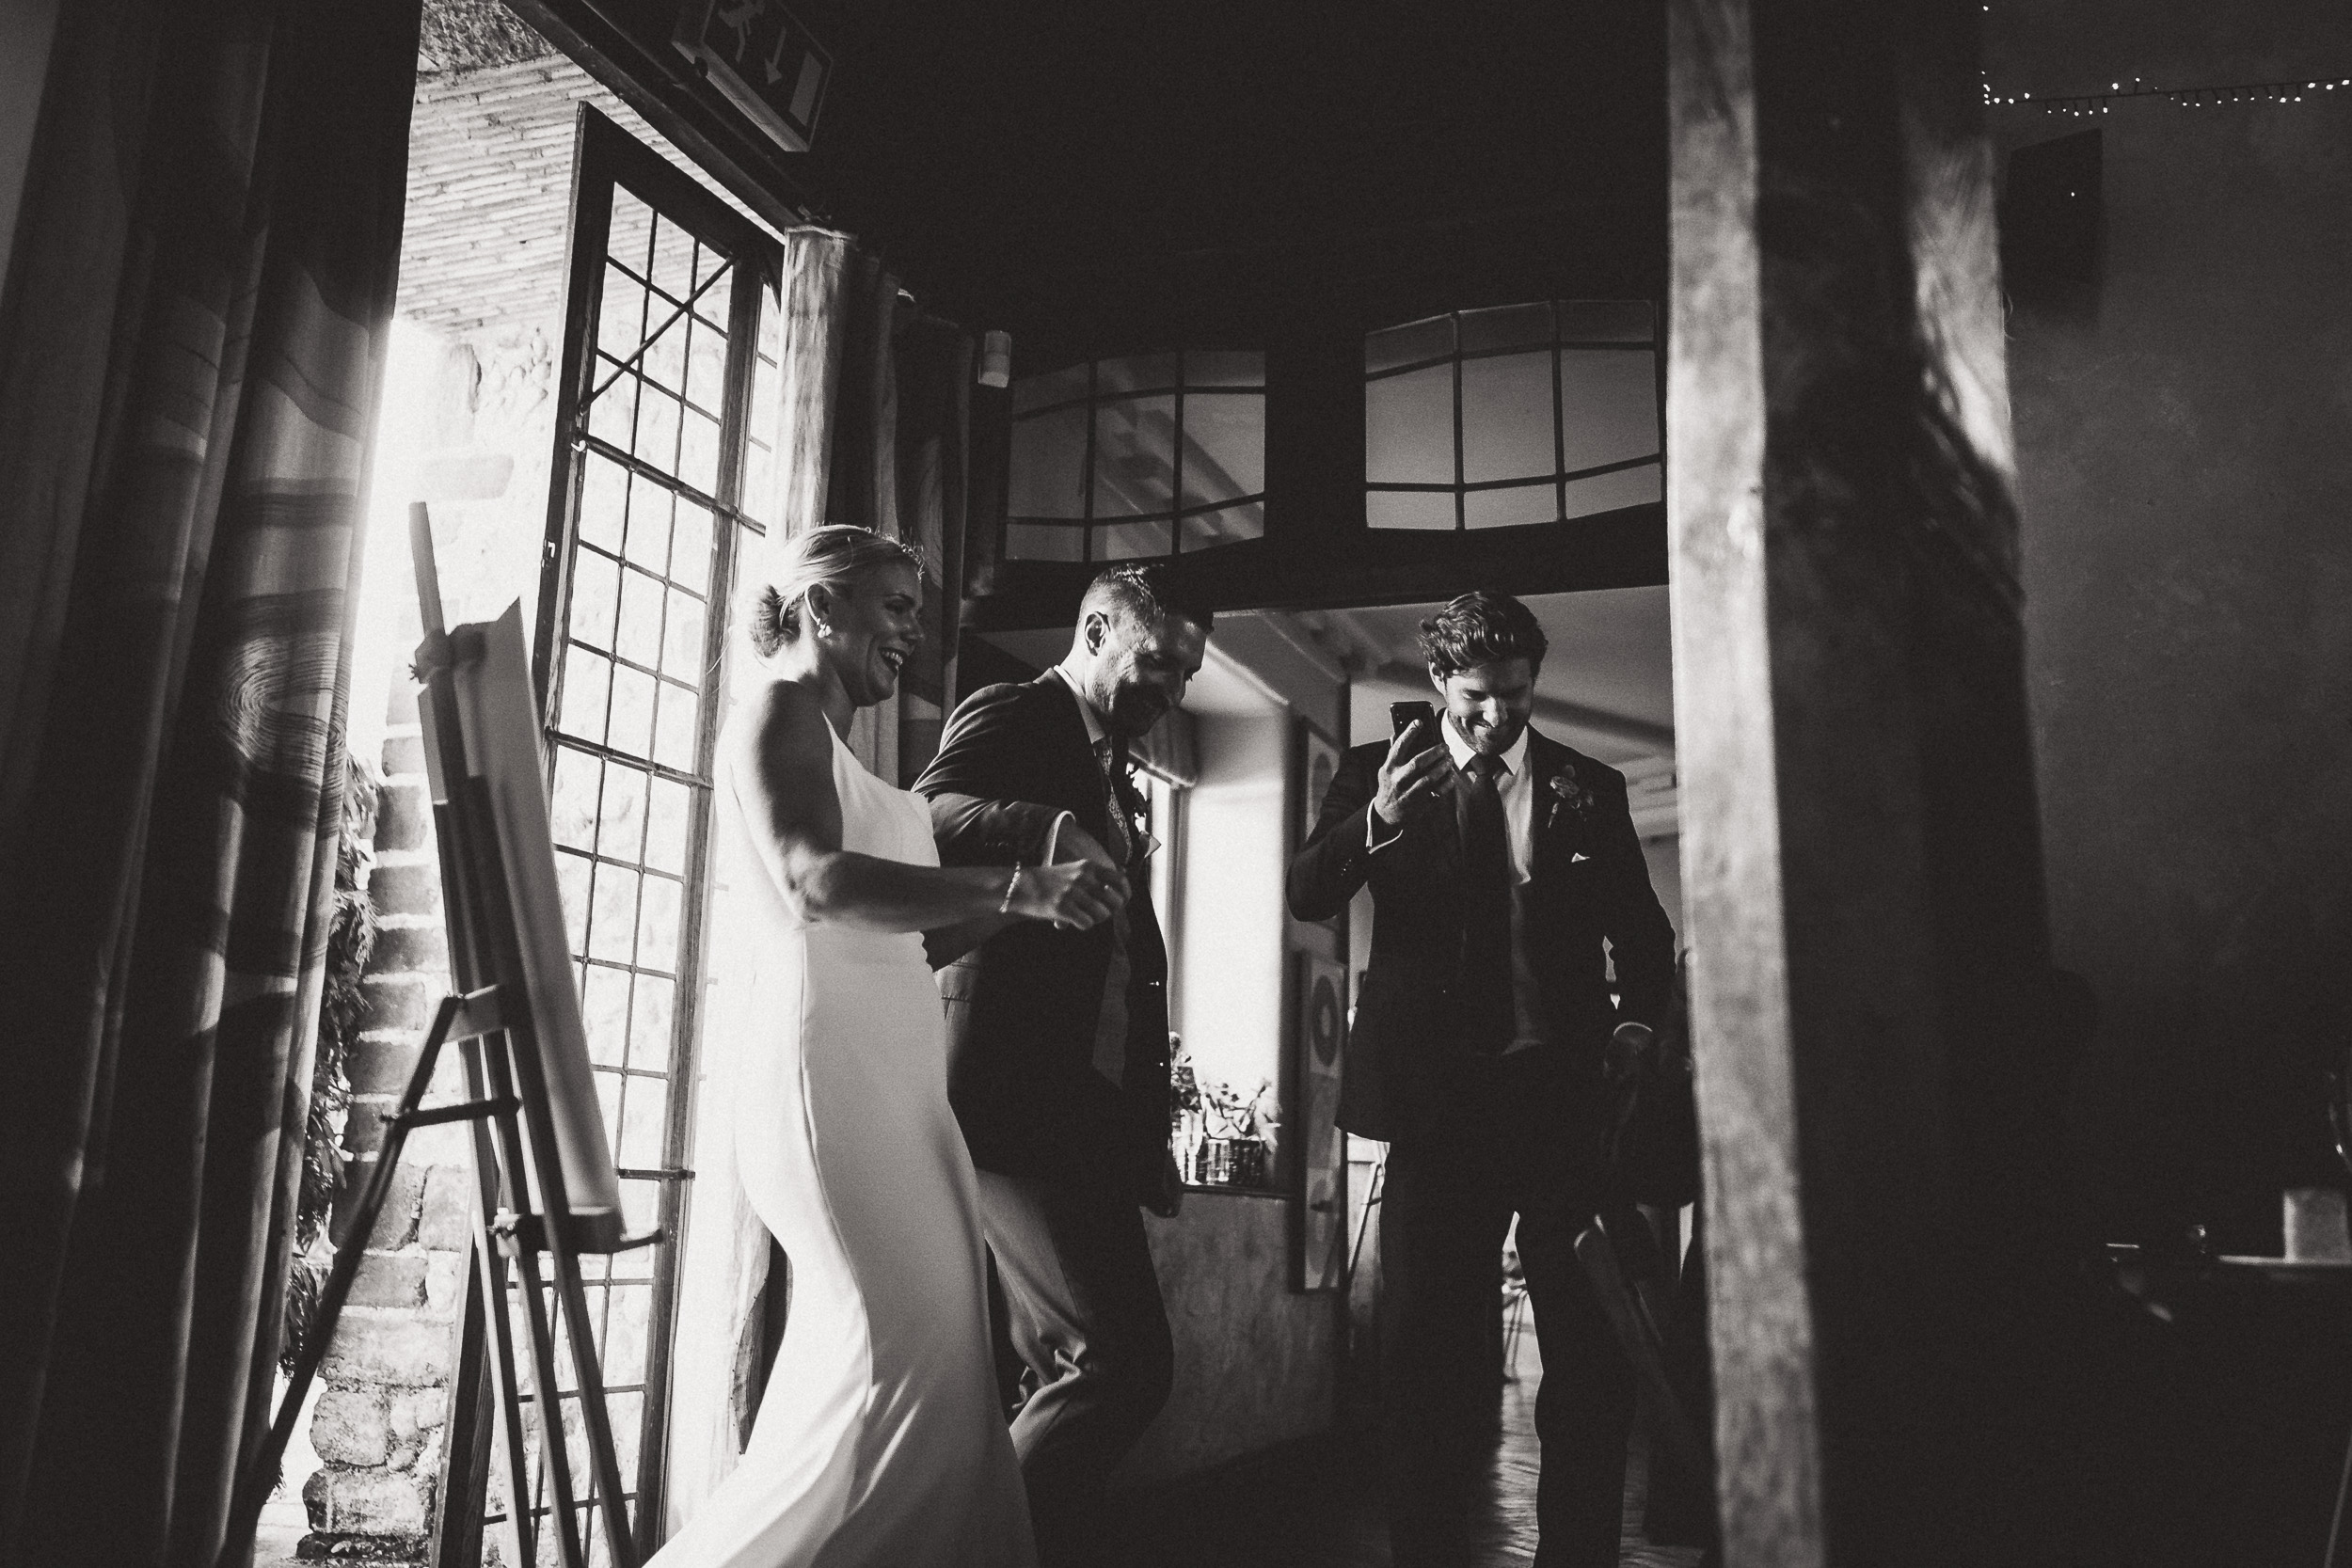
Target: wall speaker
2049, 214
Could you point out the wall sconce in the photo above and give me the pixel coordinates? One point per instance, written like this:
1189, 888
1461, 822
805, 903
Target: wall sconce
996, 360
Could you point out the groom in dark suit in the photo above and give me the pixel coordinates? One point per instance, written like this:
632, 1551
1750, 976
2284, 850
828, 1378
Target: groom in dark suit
1500, 863
1057, 1041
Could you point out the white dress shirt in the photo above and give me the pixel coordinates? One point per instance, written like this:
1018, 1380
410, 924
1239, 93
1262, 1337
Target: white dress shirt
1515, 788
1518, 793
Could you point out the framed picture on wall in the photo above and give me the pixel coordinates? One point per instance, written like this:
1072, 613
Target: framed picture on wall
1321, 1232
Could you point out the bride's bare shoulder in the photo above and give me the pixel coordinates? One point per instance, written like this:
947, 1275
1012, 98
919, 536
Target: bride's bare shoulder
775, 730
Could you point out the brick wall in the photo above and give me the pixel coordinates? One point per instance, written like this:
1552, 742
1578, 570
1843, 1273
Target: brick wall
489, 188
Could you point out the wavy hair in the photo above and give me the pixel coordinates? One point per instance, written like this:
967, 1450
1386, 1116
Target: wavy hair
1481, 627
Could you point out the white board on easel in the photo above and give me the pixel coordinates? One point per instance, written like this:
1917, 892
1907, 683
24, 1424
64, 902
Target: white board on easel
498, 717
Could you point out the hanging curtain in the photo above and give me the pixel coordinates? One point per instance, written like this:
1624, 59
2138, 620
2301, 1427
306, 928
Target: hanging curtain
874, 416
872, 431
190, 349
932, 365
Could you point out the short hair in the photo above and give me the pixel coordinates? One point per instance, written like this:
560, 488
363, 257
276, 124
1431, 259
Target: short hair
1479, 628
1145, 592
834, 555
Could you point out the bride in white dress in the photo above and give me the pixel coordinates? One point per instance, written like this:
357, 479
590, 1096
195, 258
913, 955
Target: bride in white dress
879, 1440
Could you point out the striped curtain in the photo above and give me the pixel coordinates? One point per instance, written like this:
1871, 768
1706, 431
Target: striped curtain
190, 347
875, 417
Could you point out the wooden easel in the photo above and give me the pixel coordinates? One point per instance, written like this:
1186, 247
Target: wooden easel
515, 1157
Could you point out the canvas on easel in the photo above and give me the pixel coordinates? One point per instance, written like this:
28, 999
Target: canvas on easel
547, 1187
498, 732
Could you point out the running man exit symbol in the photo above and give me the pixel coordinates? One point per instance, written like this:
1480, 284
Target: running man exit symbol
763, 60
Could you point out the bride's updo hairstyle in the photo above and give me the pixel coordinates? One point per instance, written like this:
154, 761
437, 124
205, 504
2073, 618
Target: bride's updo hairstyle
834, 555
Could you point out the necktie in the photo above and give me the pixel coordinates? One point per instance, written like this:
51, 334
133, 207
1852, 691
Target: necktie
1110, 1029
1109, 760
1485, 984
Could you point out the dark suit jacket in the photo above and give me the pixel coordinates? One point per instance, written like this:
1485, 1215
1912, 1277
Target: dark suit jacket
1024, 1005
1403, 1054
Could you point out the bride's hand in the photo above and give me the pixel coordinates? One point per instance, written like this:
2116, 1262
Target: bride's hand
1075, 896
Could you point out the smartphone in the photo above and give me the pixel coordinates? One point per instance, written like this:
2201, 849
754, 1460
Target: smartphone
1404, 716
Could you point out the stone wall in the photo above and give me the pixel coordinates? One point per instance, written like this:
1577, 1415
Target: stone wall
472, 375
377, 1424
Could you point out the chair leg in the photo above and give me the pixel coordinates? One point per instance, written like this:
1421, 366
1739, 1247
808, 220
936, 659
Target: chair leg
1669, 1424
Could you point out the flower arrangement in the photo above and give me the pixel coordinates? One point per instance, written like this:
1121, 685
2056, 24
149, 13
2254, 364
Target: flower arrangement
1566, 789
1220, 1134
1184, 1090
1230, 1114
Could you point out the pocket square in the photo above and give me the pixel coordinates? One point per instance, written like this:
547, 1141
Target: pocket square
1579, 857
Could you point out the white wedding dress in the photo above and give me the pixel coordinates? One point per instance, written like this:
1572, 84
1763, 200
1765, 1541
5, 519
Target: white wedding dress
880, 1440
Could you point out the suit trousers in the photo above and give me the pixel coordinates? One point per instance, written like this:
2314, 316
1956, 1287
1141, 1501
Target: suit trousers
1083, 1312
1511, 1134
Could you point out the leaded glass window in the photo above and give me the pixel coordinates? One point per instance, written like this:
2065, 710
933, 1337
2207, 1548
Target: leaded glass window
1149, 455
1520, 414
662, 351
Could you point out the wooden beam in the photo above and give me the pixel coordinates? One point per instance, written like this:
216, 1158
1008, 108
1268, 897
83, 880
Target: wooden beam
1861, 863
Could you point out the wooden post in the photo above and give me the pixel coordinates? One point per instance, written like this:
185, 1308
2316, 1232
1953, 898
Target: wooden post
1862, 862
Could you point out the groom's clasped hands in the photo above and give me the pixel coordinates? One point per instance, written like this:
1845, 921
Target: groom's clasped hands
1080, 890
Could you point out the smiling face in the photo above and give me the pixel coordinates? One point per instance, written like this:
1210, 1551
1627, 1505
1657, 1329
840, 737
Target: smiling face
1134, 671
1489, 703
875, 626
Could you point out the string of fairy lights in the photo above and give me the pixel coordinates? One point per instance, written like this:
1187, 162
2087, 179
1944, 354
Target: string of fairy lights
2084, 105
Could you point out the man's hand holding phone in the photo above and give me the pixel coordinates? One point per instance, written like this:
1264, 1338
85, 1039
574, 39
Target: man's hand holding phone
1416, 768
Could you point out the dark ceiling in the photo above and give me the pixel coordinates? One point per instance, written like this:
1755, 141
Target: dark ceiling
1220, 160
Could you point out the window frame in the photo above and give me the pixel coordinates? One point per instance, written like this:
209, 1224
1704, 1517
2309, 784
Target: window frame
1166, 823
607, 158
1562, 475
1087, 525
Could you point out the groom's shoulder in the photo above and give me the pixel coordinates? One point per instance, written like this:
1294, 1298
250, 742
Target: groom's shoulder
1004, 699
992, 696
1009, 710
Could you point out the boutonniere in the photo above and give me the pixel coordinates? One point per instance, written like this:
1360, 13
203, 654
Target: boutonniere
1563, 789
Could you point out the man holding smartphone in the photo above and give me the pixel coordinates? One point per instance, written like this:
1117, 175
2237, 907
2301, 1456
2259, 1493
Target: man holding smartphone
1506, 880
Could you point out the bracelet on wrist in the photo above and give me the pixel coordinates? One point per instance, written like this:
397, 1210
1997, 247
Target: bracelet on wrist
1013, 885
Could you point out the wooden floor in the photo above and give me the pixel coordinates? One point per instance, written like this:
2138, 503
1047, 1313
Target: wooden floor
1311, 1505
1317, 1504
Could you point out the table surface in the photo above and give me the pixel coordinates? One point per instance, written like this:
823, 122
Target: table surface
2292, 1270
2146, 1275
